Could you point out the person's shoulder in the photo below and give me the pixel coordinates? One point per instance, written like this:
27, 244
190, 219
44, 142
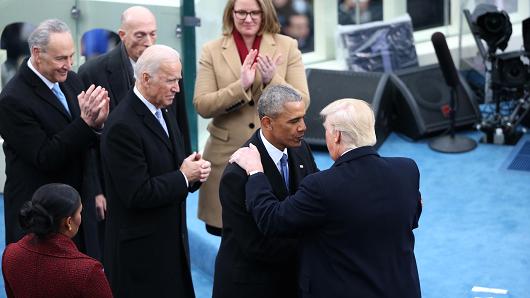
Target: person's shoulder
17, 91
73, 80
402, 162
122, 111
283, 39
95, 64
215, 43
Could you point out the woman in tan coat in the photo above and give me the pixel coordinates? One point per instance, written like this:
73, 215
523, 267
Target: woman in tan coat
234, 70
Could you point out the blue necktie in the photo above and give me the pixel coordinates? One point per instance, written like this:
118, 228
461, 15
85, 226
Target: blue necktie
285, 170
60, 95
158, 115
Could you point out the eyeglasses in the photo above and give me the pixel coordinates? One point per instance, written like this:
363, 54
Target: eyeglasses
242, 15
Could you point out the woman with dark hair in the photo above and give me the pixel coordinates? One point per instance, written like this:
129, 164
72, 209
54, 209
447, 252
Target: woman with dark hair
46, 262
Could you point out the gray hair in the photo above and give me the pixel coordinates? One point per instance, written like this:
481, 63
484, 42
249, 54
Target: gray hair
40, 37
151, 59
274, 97
354, 118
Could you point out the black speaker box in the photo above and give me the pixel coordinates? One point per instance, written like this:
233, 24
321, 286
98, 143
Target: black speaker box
422, 101
326, 86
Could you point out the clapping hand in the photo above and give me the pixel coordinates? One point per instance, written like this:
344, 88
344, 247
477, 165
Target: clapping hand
248, 69
267, 67
94, 105
195, 168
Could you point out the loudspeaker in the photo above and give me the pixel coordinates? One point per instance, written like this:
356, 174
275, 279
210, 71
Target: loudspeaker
326, 86
422, 102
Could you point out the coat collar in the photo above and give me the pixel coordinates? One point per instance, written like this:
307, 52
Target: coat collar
56, 245
355, 154
149, 119
296, 167
231, 56
121, 76
41, 89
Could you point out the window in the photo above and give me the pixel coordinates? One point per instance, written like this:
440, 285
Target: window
428, 14
359, 11
296, 20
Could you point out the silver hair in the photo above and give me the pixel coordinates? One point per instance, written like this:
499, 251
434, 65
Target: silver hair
354, 118
152, 58
40, 37
274, 97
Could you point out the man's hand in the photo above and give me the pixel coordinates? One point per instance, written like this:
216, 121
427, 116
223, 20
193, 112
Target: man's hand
94, 105
248, 69
267, 67
195, 168
248, 158
101, 206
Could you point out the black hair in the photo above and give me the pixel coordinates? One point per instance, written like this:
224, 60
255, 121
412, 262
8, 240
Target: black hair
48, 206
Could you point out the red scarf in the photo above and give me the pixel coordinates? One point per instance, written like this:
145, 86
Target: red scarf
242, 48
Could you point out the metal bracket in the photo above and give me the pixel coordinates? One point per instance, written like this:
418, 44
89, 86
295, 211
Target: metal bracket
75, 12
187, 21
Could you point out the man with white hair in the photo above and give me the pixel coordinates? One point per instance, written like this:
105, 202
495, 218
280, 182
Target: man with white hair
114, 71
354, 220
48, 123
148, 178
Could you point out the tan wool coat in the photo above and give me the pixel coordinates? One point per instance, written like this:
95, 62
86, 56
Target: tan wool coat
220, 96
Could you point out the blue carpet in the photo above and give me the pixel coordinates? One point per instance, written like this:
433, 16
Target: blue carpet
474, 230
521, 161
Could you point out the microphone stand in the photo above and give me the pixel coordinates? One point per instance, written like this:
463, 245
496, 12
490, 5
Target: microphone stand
452, 143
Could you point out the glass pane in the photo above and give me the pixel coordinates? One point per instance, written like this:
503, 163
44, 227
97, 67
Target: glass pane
359, 11
296, 20
427, 14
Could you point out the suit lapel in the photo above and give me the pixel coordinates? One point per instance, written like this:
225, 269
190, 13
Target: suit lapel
120, 71
150, 121
270, 169
42, 90
174, 136
231, 55
71, 97
297, 169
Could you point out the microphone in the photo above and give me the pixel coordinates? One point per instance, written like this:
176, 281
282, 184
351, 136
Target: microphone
445, 60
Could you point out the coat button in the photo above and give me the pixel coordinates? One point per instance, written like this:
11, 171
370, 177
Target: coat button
251, 125
251, 103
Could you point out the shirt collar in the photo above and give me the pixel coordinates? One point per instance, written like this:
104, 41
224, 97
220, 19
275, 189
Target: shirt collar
149, 105
347, 150
274, 152
43, 78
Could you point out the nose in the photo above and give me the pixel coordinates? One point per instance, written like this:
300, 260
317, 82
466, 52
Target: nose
69, 63
302, 126
175, 88
150, 40
248, 18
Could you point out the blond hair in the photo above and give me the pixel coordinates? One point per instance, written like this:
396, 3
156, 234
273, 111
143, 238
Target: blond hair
354, 118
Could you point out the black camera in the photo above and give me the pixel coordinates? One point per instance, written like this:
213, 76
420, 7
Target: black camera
510, 72
493, 26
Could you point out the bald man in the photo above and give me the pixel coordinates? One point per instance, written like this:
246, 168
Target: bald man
114, 72
148, 177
